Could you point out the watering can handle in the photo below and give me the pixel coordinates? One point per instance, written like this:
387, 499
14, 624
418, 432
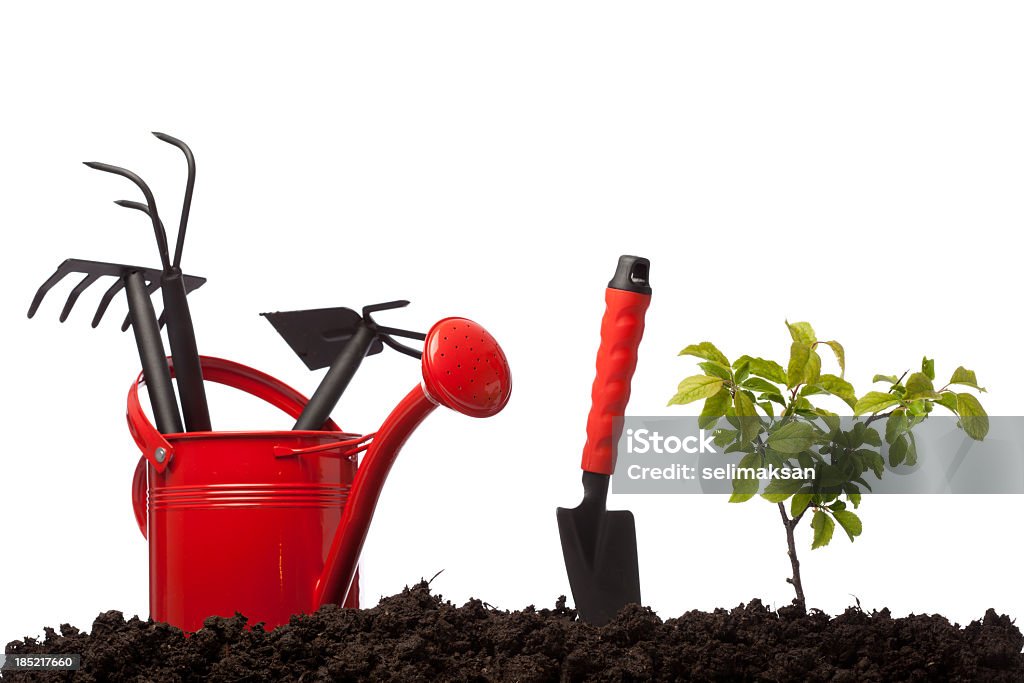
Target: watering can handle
221, 371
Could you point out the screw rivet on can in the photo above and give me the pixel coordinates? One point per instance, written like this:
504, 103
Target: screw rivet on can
160, 454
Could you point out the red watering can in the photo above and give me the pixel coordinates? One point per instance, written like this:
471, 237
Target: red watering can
271, 523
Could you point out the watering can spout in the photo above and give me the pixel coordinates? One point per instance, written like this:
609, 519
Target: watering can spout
464, 369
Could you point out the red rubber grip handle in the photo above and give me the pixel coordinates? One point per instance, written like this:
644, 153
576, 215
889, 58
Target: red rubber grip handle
621, 330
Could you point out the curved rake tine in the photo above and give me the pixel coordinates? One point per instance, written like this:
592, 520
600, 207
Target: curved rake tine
158, 228
77, 292
108, 296
46, 287
189, 186
400, 347
384, 333
152, 287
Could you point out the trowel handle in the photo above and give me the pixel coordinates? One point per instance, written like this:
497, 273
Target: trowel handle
626, 301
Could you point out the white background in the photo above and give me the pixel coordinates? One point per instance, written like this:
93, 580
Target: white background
856, 166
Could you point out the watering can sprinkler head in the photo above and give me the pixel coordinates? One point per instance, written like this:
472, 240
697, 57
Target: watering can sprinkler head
465, 369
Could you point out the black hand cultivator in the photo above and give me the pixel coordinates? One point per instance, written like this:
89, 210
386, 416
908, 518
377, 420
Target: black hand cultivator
339, 339
139, 284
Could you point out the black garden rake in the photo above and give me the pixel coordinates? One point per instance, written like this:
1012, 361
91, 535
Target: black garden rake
139, 283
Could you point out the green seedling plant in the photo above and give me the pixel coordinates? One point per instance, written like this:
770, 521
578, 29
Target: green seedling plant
773, 415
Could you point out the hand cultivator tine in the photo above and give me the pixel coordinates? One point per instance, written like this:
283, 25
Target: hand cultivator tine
180, 332
402, 348
190, 184
77, 292
394, 331
108, 296
385, 333
158, 229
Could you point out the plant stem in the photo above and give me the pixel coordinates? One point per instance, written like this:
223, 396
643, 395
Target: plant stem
794, 561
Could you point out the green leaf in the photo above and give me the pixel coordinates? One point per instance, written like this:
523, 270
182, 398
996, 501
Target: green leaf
837, 386
714, 408
767, 407
928, 367
831, 475
874, 402
911, 450
713, 369
891, 379
806, 459
799, 356
724, 437
800, 502
898, 451
823, 527
707, 351
768, 369
840, 353
852, 494
919, 386
948, 399
758, 384
813, 369
801, 332
792, 438
778, 490
695, 388
896, 425
850, 523
746, 413
870, 436
973, 417
919, 407
752, 459
965, 377
742, 372
744, 489
874, 461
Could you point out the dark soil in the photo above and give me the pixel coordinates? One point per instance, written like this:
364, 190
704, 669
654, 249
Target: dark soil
416, 636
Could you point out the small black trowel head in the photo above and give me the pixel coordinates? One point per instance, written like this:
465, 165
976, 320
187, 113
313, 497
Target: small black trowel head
318, 335
599, 547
